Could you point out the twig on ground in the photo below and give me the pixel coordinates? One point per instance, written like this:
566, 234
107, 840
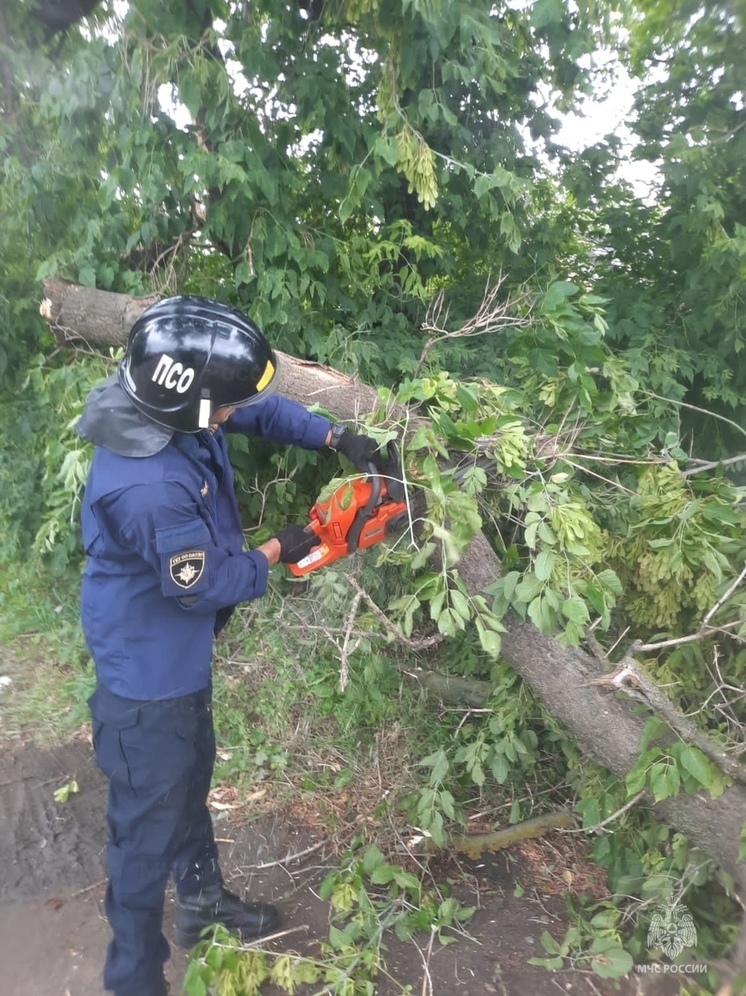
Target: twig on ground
253, 945
88, 888
609, 819
344, 665
287, 859
427, 981
429, 641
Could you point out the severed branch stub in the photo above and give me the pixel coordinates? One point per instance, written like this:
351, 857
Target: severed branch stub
629, 678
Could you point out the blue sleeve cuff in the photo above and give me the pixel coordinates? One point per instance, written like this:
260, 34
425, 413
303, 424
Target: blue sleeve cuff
316, 432
261, 577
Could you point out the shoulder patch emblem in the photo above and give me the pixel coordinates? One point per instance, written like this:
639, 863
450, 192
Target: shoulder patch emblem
186, 569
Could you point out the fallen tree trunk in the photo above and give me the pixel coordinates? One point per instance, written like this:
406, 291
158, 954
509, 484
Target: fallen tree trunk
99, 319
606, 724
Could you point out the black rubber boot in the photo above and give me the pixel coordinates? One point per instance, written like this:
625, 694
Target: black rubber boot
218, 905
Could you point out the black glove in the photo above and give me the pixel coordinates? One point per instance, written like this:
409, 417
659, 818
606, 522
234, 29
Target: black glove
296, 542
359, 450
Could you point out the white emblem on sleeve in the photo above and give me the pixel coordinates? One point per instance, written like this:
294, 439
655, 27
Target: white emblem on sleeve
185, 569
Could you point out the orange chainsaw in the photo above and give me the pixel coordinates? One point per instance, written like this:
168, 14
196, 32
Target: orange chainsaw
362, 512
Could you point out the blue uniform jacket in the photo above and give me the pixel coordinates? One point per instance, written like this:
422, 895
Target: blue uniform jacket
164, 552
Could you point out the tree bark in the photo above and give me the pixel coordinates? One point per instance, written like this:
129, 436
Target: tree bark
605, 723
99, 318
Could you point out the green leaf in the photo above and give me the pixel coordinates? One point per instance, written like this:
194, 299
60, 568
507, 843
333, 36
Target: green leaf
387, 148
448, 622
695, 762
606, 919
559, 291
193, 985
544, 564
327, 886
508, 585
637, 776
594, 596
460, 603
383, 874
372, 859
609, 579
87, 276
483, 184
549, 944
499, 768
489, 640
610, 960
547, 12
467, 398
242, 274
541, 615
473, 480
664, 780
654, 728
546, 534
575, 609
528, 588
447, 804
337, 938
548, 963
439, 763
63, 793
591, 812
346, 209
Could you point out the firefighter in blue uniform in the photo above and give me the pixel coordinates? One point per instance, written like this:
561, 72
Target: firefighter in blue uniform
165, 565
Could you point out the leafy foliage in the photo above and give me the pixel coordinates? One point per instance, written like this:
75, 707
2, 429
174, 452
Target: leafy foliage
671, 266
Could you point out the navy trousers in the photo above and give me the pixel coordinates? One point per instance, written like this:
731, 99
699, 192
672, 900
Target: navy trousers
158, 758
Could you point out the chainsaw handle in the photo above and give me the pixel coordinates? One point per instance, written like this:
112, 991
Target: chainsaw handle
353, 536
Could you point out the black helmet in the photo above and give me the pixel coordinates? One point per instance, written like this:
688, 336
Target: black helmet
188, 356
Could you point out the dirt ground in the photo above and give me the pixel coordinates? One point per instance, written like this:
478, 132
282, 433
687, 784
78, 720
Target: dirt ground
53, 932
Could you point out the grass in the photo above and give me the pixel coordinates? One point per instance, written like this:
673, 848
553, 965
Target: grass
44, 655
288, 735
45, 703
282, 723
